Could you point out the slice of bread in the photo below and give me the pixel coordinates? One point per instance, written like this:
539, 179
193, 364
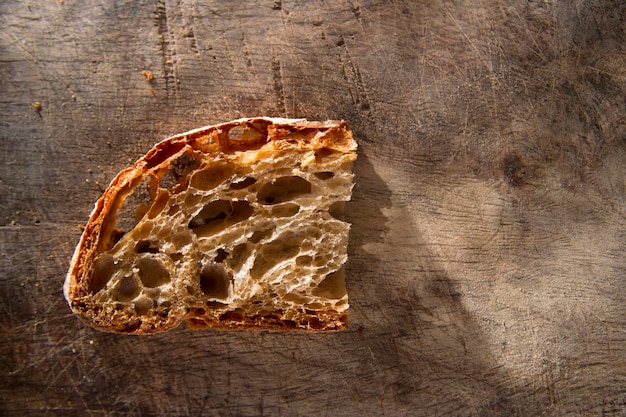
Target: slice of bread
233, 226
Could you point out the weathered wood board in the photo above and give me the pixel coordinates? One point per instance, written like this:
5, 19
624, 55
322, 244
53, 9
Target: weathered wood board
487, 273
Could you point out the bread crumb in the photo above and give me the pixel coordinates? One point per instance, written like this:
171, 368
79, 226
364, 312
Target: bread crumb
37, 106
149, 75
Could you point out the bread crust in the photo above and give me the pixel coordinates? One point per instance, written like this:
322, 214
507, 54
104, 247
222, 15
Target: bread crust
276, 136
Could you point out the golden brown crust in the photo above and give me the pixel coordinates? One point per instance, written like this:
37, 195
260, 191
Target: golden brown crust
254, 138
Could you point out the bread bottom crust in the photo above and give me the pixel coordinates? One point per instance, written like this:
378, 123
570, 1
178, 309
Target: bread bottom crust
330, 322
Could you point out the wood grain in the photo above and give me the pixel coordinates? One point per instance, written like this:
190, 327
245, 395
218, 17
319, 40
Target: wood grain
487, 273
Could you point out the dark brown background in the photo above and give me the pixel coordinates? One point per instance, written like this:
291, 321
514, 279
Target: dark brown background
487, 269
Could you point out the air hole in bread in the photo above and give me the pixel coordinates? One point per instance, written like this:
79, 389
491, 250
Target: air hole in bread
115, 236
159, 204
181, 239
239, 255
214, 281
173, 210
140, 211
103, 269
259, 235
285, 210
290, 324
176, 256
324, 175
241, 184
159, 154
236, 133
146, 246
323, 153
295, 298
219, 214
143, 305
333, 286
152, 272
304, 260
284, 247
283, 189
191, 200
221, 255
260, 266
248, 133
126, 289
233, 315
203, 140
133, 206
320, 261
216, 211
314, 306
211, 177
178, 169
315, 323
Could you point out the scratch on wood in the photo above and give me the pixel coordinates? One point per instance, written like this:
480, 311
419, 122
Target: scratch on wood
483, 59
193, 44
26, 51
167, 47
360, 98
246, 52
279, 88
356, 11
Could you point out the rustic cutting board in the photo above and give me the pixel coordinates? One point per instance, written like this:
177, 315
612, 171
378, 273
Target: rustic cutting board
487, 273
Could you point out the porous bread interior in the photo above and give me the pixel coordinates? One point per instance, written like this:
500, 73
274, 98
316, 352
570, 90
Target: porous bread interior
251, 238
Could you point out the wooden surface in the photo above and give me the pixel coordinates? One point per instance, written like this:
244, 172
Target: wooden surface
487, 273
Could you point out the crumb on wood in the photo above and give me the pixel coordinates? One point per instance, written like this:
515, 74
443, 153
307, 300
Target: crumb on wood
81, 227
37, 106
148, 74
